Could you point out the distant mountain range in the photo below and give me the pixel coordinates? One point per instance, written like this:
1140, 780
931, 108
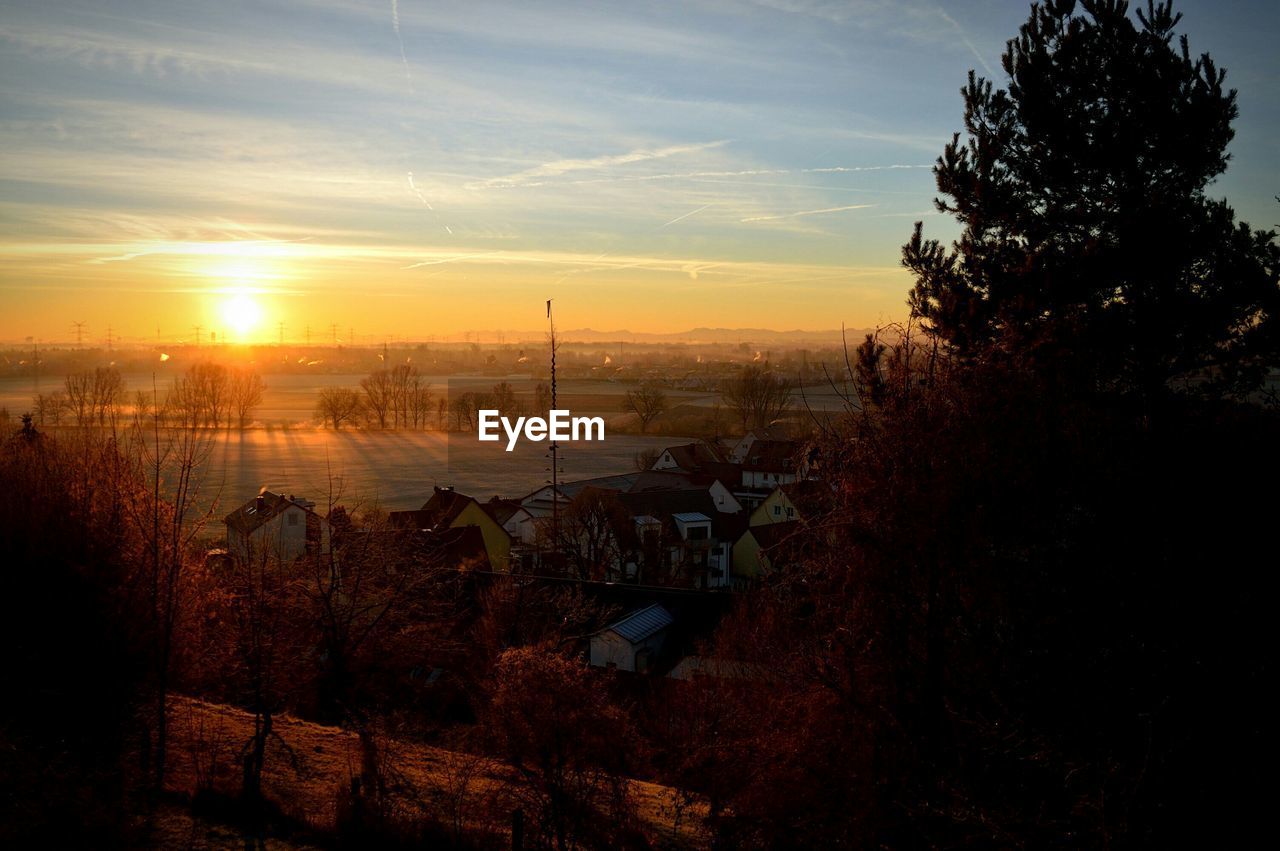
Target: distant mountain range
731, 336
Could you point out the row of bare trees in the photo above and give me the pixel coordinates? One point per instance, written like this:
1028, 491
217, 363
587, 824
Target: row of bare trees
402, 398
207, 395
399, 397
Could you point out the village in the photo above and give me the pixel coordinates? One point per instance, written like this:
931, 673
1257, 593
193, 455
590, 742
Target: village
707, 519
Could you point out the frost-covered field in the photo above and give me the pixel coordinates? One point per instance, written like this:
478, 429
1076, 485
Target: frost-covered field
396, 467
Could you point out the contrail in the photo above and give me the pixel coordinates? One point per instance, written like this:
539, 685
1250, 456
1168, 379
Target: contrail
445, 260
686, 215
969, 44
395, 25
418, 192
807, 213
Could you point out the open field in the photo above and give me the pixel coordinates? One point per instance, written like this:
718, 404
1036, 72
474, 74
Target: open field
291, 398
398, 468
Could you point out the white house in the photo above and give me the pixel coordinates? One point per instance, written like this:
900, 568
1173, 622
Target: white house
633, 643
276, 526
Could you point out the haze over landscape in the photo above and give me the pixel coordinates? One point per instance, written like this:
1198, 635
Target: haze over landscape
413, 169
638, 425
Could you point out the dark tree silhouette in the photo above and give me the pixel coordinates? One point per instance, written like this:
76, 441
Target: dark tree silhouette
1089, 244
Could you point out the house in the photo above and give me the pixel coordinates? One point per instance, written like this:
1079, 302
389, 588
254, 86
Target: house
763, 549
675, 480
633, 643
539, 503
448, 509
681, 538
277, 526
694, 457
515, 518
802, 500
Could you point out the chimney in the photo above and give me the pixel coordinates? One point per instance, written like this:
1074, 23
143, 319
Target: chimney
261, 503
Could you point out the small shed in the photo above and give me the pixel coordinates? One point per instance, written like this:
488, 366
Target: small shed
632, 643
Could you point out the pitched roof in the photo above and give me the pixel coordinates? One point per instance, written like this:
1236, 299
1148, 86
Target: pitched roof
502, 510
568, 490
774, 456
771, 535
262, 509
438, 512
810, 497
642, 624
694, 457
663, 504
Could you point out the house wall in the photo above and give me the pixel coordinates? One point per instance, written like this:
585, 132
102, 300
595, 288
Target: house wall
759, 479
746, 556
725, 501
608, 647
497, 543
665, 462
776, 508
278, 537
521, 528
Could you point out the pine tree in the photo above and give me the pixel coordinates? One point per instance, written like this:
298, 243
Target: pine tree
1089, 245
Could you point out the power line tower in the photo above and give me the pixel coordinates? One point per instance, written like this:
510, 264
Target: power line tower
308, 336
198, 329
333, 332
110, 338
280, 327
79, 326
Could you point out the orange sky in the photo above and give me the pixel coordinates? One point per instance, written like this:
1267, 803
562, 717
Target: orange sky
420, 170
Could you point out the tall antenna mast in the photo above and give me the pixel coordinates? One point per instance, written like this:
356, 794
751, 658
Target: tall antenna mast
555, 447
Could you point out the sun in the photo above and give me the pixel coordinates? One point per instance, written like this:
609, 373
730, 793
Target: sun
241, 313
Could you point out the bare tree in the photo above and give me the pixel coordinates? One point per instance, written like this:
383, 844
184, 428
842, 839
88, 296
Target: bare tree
338, 405
379, 396
645, 459
261, 623
589, 532
246, 395
79, 397
757, 397
168, 517
504, 400
49, 407
647, 402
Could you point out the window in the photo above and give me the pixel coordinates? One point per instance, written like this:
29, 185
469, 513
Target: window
777, 511
791, 512
698, 533
293, 518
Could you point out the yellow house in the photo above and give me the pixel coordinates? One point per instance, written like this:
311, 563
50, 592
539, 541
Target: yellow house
448, 509
802, 500
751, 552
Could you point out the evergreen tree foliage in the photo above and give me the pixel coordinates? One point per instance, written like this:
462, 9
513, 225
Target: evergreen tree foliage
1090, 246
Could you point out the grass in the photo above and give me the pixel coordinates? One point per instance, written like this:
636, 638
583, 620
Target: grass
307, 776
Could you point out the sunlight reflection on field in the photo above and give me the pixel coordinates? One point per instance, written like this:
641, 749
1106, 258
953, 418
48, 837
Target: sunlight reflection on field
398, 468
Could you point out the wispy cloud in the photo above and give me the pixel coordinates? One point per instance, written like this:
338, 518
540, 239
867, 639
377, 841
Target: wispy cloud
556, 168
801, 213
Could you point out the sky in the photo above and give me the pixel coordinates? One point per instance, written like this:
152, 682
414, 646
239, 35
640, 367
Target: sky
416, 169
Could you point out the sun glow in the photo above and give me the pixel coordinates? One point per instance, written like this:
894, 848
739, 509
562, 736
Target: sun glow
241, 313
